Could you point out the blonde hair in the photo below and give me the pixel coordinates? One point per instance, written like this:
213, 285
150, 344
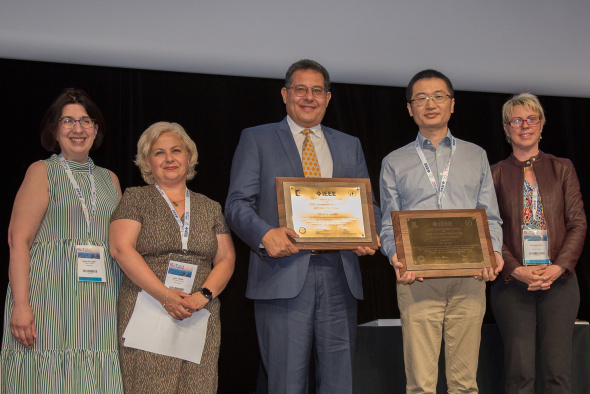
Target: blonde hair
527, 100
149, 137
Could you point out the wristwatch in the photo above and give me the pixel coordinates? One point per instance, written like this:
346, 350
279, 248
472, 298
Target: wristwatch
206, 293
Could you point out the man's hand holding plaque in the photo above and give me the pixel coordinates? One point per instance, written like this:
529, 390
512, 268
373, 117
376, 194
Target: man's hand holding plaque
366, 250
490, 274
408, 277
276, 242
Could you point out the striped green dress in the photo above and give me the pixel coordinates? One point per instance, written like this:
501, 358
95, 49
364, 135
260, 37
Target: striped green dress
76, 347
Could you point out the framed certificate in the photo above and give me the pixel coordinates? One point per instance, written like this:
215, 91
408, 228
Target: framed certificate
327, 213
443, 243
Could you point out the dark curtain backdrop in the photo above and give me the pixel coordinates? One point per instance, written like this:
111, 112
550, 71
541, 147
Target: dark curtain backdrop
214, 110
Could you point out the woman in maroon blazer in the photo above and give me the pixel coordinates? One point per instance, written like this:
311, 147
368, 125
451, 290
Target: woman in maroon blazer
544, 230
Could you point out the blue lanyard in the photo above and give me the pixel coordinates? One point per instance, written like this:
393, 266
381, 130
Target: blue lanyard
429, 173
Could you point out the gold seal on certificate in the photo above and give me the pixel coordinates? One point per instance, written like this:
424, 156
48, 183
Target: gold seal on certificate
327, 213
443, 243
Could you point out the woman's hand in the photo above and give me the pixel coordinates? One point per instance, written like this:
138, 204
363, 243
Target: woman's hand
551, 274
29, 208
532, 276
22, 325
176, 304
223, 268
123, 235
197, 301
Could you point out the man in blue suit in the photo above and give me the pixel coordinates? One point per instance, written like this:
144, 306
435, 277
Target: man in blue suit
305, 301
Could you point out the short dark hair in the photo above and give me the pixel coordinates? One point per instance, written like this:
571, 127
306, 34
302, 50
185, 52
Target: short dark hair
428, 74
306, 64
50, 121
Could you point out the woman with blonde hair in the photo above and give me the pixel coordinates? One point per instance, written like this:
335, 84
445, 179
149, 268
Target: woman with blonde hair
544, 228
161, 223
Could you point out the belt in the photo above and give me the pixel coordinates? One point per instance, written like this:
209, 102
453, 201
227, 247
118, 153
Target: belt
317, 252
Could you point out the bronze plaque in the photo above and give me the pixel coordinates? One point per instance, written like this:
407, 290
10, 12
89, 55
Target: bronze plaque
443, 243
327, 213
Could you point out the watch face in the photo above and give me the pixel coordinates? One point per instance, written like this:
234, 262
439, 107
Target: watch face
206, 293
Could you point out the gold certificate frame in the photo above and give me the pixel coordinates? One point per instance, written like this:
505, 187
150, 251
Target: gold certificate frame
443, 243
327, 213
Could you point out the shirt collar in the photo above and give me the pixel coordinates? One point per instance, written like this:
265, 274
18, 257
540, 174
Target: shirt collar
296, 129
445, 141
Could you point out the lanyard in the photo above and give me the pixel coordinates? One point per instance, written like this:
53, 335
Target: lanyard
534, 202
443, 182
87, 216
184, 228
535, 196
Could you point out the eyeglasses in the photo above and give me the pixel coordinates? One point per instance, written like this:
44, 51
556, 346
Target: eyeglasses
518, 122
301, 90
437, 98
67, 122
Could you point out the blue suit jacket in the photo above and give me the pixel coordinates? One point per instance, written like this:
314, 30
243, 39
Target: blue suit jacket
263, 153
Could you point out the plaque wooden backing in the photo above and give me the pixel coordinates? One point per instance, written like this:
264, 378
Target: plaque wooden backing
283, 194
404, 248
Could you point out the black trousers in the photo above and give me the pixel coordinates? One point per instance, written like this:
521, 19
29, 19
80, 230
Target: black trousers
536, 329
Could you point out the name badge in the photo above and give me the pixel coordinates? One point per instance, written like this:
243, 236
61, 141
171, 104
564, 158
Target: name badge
535, 247
180, 276
90, 263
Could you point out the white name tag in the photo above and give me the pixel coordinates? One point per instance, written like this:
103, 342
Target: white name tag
535, 247
90, 263
180, 276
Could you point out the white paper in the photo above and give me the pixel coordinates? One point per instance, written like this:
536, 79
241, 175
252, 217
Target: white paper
152, 329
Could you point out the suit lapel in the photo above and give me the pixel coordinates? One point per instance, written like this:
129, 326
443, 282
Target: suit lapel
286, 138
334, 151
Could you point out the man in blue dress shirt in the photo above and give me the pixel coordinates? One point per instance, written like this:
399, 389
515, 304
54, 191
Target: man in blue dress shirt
438, 171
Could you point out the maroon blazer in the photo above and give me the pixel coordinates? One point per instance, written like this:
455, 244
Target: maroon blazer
562, 207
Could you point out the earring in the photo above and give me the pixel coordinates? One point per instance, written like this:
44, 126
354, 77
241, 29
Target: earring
508, 139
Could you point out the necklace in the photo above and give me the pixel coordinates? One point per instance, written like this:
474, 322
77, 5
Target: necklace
176, 202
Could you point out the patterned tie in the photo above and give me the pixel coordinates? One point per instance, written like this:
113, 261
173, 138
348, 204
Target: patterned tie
311, 166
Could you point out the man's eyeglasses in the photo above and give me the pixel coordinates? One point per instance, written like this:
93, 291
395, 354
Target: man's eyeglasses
67, 122
316, 91
436, 98
518, 122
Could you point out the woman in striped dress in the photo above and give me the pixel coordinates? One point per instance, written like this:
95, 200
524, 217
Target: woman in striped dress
60, 328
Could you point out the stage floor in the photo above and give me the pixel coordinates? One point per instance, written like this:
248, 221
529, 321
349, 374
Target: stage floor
379, 366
